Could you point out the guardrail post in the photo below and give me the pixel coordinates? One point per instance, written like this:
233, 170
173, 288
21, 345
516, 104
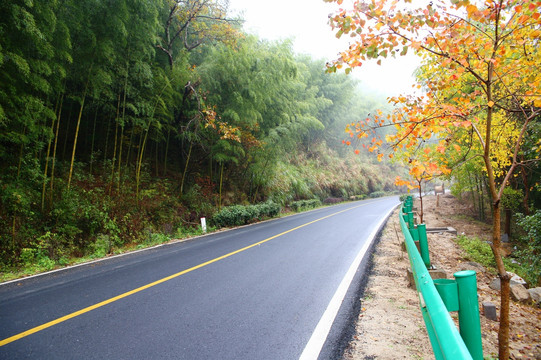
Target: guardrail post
423, 244
448, 290
404, 215
410, 220
468, 312
414, 233
408, 204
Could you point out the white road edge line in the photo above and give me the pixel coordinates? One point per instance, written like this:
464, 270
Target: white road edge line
321, 332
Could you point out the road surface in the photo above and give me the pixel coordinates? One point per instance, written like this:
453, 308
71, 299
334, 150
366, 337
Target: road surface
265, 291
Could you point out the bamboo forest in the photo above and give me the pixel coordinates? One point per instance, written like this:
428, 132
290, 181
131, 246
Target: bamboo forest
123, 122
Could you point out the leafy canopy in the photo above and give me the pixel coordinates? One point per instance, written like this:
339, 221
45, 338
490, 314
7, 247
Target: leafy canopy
481, 87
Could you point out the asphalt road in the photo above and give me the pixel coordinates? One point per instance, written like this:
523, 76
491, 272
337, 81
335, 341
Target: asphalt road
257, 292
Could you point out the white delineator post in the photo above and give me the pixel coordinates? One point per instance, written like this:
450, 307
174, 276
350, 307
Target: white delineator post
204, 224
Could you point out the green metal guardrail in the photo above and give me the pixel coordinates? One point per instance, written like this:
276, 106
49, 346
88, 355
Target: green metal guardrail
439, 297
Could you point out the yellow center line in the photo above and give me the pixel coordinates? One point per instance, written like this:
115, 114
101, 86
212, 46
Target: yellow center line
147, 286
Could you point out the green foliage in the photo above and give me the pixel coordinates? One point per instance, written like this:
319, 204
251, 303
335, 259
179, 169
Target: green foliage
37, 257
480, 251
403, 197
157, 238
303, 205
511, 199
183, 232
477, 250
236, 215
530, 254
377, 194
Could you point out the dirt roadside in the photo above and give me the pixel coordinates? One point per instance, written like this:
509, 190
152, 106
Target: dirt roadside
390, 324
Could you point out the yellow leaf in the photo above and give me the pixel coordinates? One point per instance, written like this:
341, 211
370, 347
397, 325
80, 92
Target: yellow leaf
490, 104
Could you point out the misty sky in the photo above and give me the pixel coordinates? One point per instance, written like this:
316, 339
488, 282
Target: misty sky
305, 21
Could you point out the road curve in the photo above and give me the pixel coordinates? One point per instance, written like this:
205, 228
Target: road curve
256, 292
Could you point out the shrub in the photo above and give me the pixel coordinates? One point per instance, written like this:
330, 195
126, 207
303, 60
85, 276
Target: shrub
479, 251
377, 194
403, 197
305, 204
333, 200
236, 215
268, 209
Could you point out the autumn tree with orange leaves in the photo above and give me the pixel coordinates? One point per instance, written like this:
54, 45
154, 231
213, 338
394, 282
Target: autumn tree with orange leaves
481, 88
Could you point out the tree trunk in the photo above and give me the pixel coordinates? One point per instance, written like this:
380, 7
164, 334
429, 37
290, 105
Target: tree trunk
505, 279
114, 147
503, 333
49, 143
142, 147
75, 139
221, 181
54, 149
77, 127
185, 169
139, 164
122, 124
120, 157
93, 138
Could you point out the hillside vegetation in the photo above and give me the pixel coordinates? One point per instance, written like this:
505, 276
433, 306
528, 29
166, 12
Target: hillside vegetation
122, 123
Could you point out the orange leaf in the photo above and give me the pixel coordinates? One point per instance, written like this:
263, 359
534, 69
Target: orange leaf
471, 9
